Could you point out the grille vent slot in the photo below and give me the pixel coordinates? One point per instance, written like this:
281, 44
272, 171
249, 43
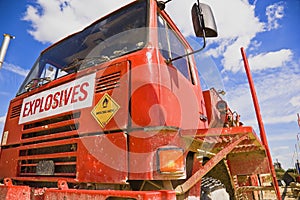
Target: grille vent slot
15, 111
108, 82
52, 126
62, 157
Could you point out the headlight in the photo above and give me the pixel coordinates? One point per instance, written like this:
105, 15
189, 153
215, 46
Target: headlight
170, 160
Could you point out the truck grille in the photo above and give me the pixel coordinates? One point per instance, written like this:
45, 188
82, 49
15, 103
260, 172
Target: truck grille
57, 161
43, 153
15, 111
51, 127
108, 82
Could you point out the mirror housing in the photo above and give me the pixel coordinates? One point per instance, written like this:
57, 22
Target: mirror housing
204, 21
204, 26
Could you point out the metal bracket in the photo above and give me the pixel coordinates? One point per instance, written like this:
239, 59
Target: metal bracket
203, 118
8, 182
62, 185
203, 153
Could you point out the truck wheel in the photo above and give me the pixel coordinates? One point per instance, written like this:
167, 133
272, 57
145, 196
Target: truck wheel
213, 189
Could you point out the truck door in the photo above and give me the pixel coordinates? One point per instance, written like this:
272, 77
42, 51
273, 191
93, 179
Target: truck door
182, 73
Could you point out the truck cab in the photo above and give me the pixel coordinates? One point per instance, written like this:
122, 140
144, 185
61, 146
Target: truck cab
117, 106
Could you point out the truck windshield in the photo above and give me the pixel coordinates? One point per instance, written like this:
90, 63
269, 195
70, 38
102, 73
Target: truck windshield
119, 33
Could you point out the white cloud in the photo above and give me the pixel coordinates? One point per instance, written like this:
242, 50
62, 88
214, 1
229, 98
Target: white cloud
1, 130
271, 59
279, 100
274, 12
2, 119
295, 101
4, 93
286, 158
280, 148
55, 19
15, 69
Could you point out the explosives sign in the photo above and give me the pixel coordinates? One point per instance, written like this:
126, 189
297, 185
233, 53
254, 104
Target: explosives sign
105, 110
74, 95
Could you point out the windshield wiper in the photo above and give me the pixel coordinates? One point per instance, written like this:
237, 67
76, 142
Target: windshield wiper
83, 63
75, 64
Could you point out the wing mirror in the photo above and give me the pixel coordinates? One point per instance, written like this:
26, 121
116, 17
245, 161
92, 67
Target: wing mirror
203, 21
204, 26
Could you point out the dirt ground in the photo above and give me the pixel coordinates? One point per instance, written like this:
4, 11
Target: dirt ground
287, 193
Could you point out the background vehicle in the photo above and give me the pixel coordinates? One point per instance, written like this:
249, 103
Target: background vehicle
116, 111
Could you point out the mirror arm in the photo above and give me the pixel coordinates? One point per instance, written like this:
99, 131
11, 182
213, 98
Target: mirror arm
170, 60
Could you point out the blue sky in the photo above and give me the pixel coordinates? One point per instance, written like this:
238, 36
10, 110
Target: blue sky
267, 29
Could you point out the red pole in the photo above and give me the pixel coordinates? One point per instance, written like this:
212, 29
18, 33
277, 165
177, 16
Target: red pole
260, 122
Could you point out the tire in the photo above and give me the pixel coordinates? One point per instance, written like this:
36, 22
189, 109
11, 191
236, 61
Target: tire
213, 189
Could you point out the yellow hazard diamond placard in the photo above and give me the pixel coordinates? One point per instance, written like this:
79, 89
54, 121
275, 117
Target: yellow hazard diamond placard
105, 110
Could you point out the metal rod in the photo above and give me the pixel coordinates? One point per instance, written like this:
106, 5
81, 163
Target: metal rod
4, 47
260, 122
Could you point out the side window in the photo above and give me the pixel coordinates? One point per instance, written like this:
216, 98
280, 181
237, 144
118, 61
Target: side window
47, 75
171, 47
52, 72
163, 40
49, 72
61, 73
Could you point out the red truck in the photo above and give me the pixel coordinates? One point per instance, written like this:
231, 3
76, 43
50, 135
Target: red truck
116, 111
